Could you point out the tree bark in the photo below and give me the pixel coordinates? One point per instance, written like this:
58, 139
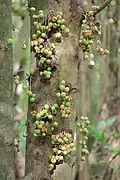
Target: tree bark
6, 94
37, 157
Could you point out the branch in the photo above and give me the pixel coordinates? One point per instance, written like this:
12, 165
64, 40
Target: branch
107, 166
105, 4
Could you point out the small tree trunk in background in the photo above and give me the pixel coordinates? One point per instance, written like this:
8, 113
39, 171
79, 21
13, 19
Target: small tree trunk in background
37, 158
6, 96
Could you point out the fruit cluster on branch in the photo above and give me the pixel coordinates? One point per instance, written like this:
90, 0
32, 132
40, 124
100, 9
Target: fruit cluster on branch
91, 32
46, 120
47, 30
62, 146
82, 126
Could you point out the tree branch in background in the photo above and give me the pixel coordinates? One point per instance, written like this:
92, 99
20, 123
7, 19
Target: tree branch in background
107, 167
105, 4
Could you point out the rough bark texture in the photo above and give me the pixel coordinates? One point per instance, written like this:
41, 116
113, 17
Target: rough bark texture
38, 150
6, 96
81, 111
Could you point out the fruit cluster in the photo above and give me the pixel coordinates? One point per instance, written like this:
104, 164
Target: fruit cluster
64, 98
16, 146
62, 146
82, 125
17, 79
31, 95
90, 30
25, 87
102, 51
40, 129
41, 43
46, 114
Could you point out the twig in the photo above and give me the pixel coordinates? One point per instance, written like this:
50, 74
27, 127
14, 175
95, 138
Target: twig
105, 4
14, 27
107, 165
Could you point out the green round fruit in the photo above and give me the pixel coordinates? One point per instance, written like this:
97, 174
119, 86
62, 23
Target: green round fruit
62, 87
41, 11
55, 124
29, 93
46, 51
63, 21
25, 87
35, 135
34, 95
32, 99
34, 36
63, 115
42, 122
38, 116
50, 116
67, 30
53, 108
67, 89
41, 40
63, 94
50, 24
37, 131
58, 95
43, 35
49, 53
41, 15
45, 111
48, 61
52, 128
41, 73
10, 41
62, 106
62, 27
62, 82
41, 113
17, 77
68, 104
36, 122
32, 9
46, 106
43, 134
55, 105
16, 81
48, 76
45, 72
38, 32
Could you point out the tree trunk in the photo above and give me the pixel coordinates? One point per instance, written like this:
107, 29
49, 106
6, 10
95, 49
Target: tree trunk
6, 96
37, 158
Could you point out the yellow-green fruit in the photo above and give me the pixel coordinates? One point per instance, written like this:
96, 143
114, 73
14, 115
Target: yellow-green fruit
46, 106
50, 116
10, 41
25, 87
32, 9
62, 82
16, 81
63, 94
58, 95
29, 93
32, 99
55, 124
41, 15
24, 46
38, 116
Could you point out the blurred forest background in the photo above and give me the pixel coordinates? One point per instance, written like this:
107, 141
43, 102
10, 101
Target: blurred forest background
102, 96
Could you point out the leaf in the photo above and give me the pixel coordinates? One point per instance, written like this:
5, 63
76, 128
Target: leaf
19, 14
110, 121
97, 134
